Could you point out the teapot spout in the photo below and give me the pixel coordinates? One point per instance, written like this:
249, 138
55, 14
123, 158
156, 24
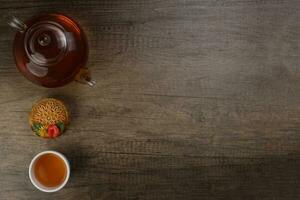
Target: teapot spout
84, 76
16, 24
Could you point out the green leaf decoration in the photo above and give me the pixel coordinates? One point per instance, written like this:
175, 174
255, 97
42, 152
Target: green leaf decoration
61, 126
36, 133
36, 128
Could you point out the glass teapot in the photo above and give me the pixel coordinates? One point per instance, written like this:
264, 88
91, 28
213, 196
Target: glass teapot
51, 50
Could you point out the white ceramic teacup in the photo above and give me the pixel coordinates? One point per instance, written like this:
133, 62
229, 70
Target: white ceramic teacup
40, 186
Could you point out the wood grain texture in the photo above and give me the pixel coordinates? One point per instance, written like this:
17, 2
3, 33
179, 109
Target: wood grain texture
194, 100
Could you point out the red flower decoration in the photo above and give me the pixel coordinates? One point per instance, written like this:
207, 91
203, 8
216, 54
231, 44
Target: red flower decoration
53, 131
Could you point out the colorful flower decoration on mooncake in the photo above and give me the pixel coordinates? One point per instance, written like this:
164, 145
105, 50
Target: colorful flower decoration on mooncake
49, 118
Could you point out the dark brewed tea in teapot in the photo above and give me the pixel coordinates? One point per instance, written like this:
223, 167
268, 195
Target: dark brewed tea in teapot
51, 50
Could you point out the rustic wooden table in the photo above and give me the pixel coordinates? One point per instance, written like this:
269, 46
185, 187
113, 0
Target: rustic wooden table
194, 100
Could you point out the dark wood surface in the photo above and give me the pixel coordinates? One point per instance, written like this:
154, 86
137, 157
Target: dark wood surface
194, 100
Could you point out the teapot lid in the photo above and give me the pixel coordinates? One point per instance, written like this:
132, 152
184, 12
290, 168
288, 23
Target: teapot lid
45, 43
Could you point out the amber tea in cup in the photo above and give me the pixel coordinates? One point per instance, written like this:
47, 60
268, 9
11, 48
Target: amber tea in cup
51, 50
49, 171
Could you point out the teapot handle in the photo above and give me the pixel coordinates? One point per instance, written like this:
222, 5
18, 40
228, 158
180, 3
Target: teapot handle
15, 23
